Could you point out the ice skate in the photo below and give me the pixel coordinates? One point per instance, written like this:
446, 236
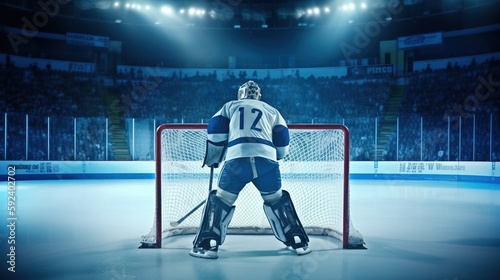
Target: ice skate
206, 251
299, 247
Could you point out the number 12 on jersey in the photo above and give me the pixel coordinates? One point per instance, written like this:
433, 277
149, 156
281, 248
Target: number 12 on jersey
256, 114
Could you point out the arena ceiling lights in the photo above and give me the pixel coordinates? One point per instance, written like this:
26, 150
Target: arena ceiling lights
164, 9
161, 13
346, 6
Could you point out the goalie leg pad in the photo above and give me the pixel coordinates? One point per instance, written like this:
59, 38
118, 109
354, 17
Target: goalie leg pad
215, 219
285, 223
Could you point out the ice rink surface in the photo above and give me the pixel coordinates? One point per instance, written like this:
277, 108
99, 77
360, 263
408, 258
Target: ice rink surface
91, 229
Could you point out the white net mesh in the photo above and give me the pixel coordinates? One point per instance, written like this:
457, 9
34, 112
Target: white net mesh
313, 173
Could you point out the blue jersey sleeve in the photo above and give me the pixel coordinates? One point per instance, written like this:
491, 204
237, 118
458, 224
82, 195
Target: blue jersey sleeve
218, 128
281, 138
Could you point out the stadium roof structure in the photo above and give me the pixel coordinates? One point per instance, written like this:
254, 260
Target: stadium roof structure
254, 33
254, 14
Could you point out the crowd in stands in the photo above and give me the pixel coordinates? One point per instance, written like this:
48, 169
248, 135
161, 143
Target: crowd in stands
61, 115
301, 99
39, 100
45, 92
459, 105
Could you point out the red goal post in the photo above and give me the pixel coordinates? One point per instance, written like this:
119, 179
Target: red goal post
316, 173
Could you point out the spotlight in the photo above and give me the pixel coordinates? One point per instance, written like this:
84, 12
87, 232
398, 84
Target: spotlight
166, 10
200, 12
213, 14
300, 13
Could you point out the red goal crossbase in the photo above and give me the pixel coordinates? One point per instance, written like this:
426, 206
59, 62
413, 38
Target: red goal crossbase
315, 173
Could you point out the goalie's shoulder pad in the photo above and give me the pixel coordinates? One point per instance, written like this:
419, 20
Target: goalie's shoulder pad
214, 154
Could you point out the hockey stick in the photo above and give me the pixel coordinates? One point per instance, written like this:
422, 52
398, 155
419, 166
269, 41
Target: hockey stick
178, 222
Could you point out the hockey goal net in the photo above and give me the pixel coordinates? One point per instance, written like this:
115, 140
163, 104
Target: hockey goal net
315, 173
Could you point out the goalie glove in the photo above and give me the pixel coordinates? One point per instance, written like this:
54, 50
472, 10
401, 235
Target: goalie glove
214, 154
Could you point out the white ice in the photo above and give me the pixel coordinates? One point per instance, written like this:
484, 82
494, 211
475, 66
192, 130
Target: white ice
90, 229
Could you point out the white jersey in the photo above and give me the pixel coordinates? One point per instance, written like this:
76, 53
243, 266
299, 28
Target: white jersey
252, 128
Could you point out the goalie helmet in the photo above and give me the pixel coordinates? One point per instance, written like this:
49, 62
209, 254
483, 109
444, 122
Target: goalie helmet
249, 89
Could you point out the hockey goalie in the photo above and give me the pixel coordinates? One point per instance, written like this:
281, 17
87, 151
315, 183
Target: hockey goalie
250, 136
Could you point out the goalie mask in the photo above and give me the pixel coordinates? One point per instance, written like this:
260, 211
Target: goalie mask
249, 89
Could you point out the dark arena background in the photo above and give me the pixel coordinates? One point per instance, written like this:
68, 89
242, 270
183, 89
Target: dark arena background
84, 85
